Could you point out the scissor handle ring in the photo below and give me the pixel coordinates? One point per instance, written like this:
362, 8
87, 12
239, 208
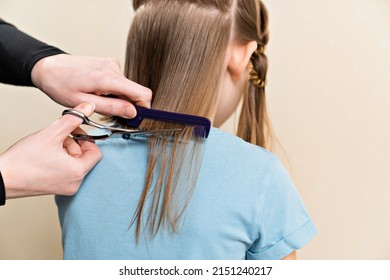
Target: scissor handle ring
77, 114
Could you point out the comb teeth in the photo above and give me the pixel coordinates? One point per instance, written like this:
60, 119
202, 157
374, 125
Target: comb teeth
202, 125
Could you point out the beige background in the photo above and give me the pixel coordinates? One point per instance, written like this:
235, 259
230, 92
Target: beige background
329, 102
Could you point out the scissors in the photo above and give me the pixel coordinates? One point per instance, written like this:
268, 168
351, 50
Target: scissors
111, 131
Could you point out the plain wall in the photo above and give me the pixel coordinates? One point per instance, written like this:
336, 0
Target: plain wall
329, 102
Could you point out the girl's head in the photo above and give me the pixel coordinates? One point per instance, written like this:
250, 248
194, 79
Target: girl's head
199, 57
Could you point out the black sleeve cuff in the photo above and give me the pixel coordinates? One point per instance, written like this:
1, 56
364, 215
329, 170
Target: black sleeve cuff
2, 191
18, 54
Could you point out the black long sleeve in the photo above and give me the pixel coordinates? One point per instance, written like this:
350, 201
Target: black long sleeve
18, 54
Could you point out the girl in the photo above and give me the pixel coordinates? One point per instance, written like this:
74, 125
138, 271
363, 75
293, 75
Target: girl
183, 197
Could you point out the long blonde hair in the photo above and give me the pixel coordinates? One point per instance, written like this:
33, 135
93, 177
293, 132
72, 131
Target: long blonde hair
177, 48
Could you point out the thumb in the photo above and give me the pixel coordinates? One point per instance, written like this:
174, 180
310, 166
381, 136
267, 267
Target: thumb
66, 124
91, 155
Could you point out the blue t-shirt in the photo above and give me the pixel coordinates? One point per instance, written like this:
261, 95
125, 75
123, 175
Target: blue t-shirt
244, 206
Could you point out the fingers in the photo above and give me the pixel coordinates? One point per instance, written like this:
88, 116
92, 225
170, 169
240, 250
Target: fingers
110, 106
66, 124
140, 95
116, 83
120, 86
72, 148
91, 155
70, 80
86, 153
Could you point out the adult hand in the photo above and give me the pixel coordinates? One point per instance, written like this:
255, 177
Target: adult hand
70, 80
49, 161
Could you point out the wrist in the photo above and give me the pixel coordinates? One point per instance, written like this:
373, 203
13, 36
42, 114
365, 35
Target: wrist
14, 183
43, 68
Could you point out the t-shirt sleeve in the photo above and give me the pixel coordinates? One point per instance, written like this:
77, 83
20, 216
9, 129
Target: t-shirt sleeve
284, 224
18, 54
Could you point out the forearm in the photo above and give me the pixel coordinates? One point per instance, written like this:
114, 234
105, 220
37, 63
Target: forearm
291, 256
18, 54
12, 182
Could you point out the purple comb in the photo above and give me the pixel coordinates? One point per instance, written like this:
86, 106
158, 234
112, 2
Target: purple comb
202, 124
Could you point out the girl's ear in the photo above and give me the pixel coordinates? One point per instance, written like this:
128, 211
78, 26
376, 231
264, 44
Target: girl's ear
239, 58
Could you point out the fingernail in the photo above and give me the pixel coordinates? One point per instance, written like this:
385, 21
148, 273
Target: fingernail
89, 107
130, 112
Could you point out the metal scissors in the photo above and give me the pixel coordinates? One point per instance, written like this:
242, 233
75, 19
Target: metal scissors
111, 131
